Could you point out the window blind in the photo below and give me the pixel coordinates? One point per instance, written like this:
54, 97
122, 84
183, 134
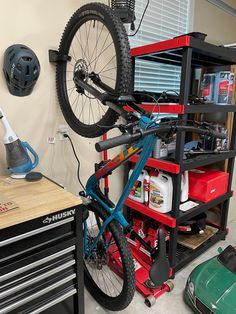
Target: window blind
164, 19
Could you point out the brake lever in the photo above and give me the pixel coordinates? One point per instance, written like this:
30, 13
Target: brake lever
204, 124
128, 128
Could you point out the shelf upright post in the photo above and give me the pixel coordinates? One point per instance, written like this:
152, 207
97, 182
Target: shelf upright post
186, 73
230, 170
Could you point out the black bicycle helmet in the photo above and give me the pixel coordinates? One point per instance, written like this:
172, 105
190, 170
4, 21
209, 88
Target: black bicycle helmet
21, 69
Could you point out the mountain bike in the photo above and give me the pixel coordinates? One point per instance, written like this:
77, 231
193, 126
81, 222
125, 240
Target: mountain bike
94, 83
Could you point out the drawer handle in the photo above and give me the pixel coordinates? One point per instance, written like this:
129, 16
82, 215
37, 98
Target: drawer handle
54, 302
36, 231
36, 295
35, 264
36, 279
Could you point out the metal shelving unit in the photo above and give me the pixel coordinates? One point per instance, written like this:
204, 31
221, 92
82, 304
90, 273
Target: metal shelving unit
189, 53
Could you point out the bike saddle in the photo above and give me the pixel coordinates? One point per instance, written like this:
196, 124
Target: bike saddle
160, 269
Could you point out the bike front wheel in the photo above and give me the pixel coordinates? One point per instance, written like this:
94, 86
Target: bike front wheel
109, 270
95, 47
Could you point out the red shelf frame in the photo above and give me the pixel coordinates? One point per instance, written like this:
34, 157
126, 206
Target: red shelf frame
159, 164
162, 108
170, 44
163, 218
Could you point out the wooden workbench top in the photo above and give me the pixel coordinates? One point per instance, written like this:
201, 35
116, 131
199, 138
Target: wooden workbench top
35, 199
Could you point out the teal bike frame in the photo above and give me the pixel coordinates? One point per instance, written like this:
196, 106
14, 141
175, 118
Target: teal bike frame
144, 147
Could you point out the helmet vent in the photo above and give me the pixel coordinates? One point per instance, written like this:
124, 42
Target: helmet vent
28, 59
7, 76
27, 70
12, 57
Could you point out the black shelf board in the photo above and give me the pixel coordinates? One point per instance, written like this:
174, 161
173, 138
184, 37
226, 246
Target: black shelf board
202, 207
208, 159
212, 53
204, 54
208, 108
184, 255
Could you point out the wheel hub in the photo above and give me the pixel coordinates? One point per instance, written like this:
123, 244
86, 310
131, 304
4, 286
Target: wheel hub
81, 67
98, 258
81, 71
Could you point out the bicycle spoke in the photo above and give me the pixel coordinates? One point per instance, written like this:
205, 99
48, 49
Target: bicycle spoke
73, 87
101, 54
101, 106
92, 111
107, 70
83, 104
71, 92
86, 46
109, 62
80, 43
76, 103
101, 51
73, 53
96, 43
108, 77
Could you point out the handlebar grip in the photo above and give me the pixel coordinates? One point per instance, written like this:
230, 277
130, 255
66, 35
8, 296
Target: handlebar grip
117, 141
206, 132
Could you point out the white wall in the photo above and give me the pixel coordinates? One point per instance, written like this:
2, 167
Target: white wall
39, 24
216, 23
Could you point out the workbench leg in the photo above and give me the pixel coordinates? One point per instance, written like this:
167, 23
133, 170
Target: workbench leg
79, 297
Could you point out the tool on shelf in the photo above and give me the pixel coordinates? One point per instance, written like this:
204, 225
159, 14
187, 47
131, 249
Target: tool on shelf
18, 159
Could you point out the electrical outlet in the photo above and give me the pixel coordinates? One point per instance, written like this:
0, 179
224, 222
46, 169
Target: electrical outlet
63, 129
51, 140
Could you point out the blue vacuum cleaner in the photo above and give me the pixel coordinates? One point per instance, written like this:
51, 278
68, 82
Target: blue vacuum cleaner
18, 160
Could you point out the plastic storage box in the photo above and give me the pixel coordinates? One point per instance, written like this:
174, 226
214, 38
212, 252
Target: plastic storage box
206, 184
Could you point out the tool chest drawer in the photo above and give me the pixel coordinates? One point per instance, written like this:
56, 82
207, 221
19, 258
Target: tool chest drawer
37, 265
35, 237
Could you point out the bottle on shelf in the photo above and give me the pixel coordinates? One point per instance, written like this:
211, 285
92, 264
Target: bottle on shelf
184, 187
137, 193
160, 192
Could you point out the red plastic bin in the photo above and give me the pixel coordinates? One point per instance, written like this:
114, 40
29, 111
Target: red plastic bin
207, 184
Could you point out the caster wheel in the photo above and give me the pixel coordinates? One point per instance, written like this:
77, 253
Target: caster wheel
150, 301
170, 285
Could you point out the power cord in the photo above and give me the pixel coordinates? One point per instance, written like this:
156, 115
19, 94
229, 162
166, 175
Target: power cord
141, 20
78, 170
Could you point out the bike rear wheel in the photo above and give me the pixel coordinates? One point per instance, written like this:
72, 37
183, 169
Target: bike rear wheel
96, 41
114, 292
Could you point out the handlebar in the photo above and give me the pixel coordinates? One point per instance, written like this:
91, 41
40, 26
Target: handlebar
131, 138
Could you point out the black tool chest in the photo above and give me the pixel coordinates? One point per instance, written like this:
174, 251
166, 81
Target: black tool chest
41, 266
